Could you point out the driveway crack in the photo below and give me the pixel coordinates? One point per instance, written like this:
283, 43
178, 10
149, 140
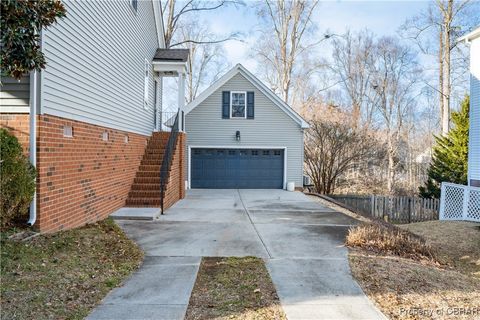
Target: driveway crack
253, 225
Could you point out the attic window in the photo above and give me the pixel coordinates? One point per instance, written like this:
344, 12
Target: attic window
238, 102
105, 136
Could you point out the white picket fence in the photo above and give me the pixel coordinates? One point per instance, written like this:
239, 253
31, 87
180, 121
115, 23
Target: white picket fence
459, 202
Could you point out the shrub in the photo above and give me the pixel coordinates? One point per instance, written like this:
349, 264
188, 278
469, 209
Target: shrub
387, 239
17, 179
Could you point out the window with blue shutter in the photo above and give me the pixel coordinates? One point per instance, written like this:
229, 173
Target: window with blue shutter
226, 105
250, 105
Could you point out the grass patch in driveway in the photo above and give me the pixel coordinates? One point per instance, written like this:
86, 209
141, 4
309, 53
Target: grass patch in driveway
64, 275
234, 288
412, 287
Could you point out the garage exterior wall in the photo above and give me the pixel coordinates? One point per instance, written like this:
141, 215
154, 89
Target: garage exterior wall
271, 127
96, 64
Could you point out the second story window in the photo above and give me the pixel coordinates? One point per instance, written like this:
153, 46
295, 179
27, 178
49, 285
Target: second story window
134, 4
238, 104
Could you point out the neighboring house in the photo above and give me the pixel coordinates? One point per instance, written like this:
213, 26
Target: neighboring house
460, 202
241, 135
96, 105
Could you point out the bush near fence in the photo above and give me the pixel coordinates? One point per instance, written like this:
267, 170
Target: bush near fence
397, 209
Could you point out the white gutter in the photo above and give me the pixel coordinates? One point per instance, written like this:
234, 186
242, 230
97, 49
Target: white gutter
33, 140
470, 36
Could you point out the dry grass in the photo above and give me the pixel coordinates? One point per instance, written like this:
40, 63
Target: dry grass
64, 275
234, 288
456, 243
387, 239
405, 288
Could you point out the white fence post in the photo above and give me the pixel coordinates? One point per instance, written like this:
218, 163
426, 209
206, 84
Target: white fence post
442, 202
466, 196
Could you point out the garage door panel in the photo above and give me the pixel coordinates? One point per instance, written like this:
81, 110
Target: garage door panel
237, 168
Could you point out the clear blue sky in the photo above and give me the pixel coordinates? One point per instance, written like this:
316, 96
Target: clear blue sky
381, 17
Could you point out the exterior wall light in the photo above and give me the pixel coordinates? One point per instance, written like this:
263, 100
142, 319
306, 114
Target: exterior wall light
237, 136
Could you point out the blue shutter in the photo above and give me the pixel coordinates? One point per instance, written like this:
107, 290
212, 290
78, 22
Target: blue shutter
250, 105
225, 104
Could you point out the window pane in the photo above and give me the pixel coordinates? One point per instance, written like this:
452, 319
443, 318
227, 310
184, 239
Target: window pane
238, 105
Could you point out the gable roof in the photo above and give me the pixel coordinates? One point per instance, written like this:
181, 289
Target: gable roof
239, 69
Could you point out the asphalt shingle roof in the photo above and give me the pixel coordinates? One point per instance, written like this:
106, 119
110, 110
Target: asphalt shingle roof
180, 55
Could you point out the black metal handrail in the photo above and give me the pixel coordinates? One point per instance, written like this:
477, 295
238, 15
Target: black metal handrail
167, 160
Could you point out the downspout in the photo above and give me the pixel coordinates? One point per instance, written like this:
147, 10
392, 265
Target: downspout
33, 140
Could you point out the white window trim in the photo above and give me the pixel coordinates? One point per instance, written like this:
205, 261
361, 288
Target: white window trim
244, 110
146, 90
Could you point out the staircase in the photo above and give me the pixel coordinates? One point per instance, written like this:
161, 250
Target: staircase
145, 190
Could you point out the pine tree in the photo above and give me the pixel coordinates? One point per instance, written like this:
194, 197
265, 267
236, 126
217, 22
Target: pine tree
450, 154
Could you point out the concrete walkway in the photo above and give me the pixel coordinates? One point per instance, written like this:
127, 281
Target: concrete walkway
300, 240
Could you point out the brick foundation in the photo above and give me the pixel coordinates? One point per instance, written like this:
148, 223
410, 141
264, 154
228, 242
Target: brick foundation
176, 183
82, 179
18, 124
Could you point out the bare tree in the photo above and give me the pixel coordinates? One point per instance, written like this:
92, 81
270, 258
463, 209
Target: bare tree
352, 54
174, 16
206, 61
286, 24
394, 74
435, 31
332, 147
183, 28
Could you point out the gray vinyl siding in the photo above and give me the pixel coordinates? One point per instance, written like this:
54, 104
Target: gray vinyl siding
95, 64
474, 138
15, 95
271, 127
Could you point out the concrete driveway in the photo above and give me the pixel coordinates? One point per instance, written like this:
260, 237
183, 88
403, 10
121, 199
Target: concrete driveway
300, 240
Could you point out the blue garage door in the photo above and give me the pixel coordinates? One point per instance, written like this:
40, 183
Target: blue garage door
237, 168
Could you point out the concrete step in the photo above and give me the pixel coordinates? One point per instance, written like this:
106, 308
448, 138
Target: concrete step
128, 213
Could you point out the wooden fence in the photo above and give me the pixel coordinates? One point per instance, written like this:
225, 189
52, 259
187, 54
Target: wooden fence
397, 209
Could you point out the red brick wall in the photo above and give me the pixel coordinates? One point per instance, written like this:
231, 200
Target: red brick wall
176, 183
82, 179
18, 124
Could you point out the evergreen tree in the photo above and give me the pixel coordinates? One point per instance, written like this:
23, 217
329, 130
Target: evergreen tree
450, 154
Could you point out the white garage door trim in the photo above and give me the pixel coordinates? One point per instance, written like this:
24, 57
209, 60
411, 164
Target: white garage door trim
190, 147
